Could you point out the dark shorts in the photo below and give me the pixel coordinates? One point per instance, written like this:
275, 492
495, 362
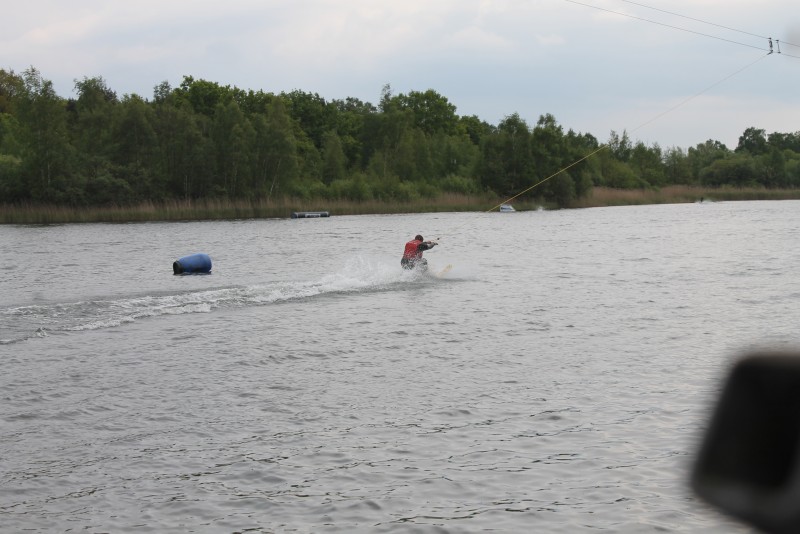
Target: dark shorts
411, 264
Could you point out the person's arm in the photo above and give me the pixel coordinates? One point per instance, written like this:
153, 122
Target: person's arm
426, 245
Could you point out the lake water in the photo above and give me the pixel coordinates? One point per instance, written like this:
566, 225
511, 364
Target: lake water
556, 380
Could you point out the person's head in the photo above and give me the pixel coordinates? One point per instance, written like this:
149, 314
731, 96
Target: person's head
418, 238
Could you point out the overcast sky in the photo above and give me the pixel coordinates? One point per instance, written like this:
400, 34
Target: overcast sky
594, 70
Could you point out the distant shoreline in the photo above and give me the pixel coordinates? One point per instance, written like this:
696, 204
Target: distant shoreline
209, 210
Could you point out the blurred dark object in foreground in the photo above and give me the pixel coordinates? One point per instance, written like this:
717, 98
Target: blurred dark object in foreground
748, 463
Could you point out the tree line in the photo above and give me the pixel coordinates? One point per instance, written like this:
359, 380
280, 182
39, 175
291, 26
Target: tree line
204, 140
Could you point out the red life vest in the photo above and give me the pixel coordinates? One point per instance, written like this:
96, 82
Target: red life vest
412, 250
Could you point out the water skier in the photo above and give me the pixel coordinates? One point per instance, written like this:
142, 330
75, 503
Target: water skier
412, 254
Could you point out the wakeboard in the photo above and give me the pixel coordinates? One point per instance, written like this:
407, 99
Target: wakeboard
444, 271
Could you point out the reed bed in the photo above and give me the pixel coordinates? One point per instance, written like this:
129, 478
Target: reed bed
676, 194
220, 209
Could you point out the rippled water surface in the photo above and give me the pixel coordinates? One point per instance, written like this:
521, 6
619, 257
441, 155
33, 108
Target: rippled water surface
556, 380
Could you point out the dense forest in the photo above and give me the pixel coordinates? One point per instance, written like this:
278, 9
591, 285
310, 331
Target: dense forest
203, 140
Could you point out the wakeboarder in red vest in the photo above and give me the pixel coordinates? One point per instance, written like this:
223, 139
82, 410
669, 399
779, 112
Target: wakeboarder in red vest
412, 254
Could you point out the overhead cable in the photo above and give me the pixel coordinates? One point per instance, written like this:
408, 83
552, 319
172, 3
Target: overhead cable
705, 22
667, 25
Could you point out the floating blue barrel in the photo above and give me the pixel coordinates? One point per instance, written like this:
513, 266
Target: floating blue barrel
309, 214
193, 263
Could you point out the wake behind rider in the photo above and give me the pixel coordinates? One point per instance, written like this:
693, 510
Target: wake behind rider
412, 254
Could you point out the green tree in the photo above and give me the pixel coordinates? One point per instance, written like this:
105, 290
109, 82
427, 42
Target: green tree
234, 138
46, 159
582, 148
475, 128
184, 152
12, 86
647, 163
753, 141
383, 136
202, 95
253, 102
314, 115
11, 186
773, 168
562, 189
737, 170
616, 173
92, 115
793, 170
276, 150
453, 155
432, 113
620, 147
506, 165
387, 100
350, 125
550, 154
703, 155
136, 148
676, 166
785, 141
334, 161
411, 159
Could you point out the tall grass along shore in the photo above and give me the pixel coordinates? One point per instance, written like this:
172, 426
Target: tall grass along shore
220, 209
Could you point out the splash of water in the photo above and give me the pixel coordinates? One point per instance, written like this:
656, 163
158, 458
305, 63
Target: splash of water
358, 275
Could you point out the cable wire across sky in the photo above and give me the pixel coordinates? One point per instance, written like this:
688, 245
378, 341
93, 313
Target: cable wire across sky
704, 21
768, 51
770, 48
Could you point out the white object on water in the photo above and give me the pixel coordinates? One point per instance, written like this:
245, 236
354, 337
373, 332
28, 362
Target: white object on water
444, 271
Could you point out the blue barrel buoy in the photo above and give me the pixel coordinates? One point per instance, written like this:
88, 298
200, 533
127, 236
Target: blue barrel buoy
193, 263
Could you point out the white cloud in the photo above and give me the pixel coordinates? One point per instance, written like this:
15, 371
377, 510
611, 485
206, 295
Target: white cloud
593, 70
476, 40
550, 40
